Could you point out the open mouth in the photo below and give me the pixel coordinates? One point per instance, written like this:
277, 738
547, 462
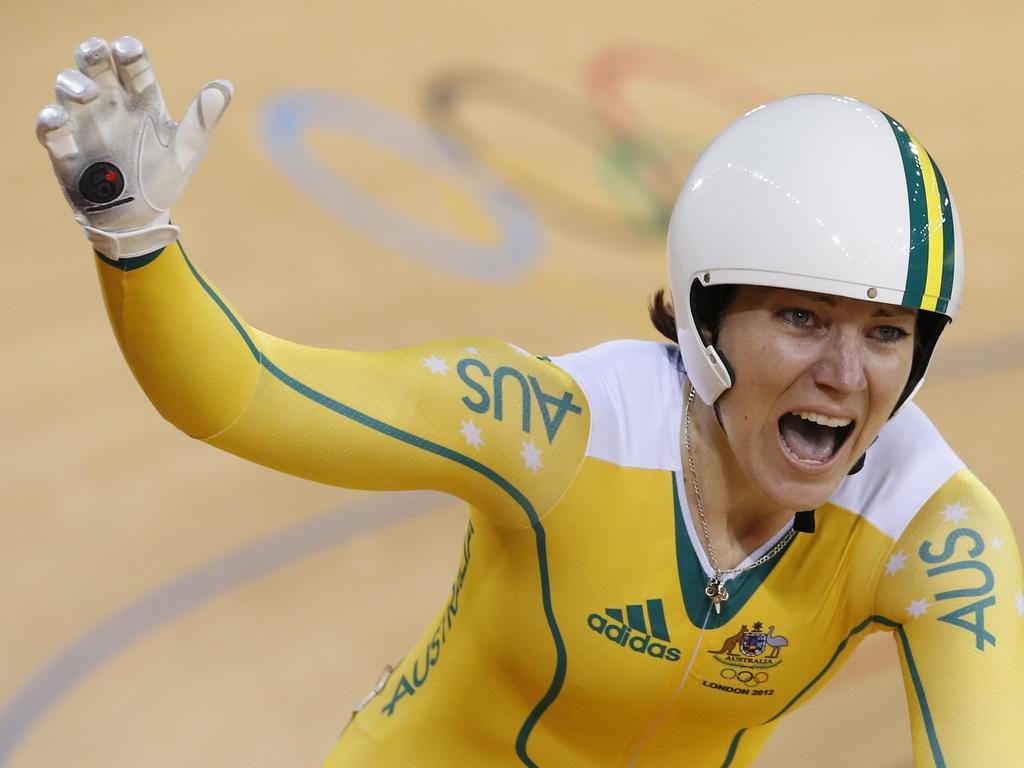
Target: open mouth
812, 438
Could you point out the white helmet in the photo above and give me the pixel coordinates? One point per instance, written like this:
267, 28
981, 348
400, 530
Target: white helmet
818, 193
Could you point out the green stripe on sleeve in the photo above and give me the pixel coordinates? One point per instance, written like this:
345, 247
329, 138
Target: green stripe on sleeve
346, 411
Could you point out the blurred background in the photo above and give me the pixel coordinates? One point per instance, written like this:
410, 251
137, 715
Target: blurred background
390, 173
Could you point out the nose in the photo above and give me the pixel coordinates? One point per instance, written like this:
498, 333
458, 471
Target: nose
841, 366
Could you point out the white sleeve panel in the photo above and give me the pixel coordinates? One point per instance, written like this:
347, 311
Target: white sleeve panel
634, 389
906, 465
635, 393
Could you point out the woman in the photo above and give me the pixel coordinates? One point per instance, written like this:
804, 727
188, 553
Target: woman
669, 546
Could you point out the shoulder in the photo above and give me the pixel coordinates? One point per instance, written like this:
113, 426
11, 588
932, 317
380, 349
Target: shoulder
959, 555
904, 468
963, 502
634, 389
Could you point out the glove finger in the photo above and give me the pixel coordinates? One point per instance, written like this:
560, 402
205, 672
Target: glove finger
197, 126
162, 182
74, 89
132, 65
55, 132
93, 59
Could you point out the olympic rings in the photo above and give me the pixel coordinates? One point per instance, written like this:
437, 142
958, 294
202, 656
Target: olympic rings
633, 161
446, 98
643, 169
286, 117
745, 676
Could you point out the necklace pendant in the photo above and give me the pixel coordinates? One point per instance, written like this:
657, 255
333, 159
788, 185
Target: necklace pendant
711, 590
717, 593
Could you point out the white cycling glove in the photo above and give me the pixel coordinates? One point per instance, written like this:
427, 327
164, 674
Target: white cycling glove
121, 161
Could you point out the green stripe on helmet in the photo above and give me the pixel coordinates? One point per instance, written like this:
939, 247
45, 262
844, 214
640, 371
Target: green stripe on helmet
948, 243
917, 261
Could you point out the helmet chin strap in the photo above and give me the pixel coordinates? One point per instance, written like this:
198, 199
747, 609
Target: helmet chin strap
859, 464
718, 414
728, 369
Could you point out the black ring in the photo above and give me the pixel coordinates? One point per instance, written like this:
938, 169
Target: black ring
449, 91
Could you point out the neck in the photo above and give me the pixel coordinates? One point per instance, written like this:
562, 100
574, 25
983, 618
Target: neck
739, 517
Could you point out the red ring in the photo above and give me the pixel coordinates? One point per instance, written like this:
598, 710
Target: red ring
610, 69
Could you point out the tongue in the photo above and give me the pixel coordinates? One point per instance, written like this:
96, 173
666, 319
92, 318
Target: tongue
808, 441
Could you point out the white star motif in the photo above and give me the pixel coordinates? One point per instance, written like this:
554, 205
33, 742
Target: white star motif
531, 454
472, 433
436, 365
473, 350
954, 512
996, 543
897, 561
1020, 603
520, 350
919, 607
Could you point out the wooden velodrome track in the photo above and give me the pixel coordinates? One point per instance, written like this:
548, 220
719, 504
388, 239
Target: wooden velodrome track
167, 605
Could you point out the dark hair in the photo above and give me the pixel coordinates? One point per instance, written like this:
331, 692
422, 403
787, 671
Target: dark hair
709, 305
662, 315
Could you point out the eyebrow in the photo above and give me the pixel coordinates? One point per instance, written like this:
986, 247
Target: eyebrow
890, 313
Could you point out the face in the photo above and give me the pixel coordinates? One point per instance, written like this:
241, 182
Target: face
816, 378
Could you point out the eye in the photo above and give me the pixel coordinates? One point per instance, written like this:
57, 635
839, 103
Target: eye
889, 334
798, 318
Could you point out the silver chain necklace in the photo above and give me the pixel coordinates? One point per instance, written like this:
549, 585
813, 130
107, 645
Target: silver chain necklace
715, 590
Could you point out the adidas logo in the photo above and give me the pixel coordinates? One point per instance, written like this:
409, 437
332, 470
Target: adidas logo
640, 631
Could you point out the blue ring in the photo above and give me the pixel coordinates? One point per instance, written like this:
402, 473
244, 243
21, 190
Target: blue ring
287, 116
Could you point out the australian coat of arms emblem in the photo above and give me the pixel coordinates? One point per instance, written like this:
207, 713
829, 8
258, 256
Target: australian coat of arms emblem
752, 648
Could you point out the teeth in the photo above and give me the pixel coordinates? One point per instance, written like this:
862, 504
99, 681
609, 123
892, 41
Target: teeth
820, 418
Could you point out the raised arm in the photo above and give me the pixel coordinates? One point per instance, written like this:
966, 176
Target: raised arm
953, 592
479, 419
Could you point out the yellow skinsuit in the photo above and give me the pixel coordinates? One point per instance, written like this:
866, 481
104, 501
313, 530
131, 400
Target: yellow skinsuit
577, 632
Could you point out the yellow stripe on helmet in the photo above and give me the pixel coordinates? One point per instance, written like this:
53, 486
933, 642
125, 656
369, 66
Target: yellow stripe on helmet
933, 282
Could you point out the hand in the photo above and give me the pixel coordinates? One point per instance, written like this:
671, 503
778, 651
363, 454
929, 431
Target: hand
120, 159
